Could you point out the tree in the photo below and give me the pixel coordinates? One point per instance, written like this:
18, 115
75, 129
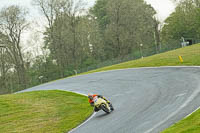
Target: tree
100, 12
62, 36
130, 21
12, 24
184, 22
5, 66
157, 35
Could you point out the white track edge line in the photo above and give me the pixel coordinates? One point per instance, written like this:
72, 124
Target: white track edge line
85, 120
194, 94
192, 112
132, 69
83, 123
120, 70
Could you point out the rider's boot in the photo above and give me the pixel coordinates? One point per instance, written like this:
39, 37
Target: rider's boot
96, 109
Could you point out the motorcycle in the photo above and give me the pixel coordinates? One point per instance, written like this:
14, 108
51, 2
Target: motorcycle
101, 104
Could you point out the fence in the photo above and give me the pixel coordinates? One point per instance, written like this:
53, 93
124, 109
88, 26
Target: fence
143, 52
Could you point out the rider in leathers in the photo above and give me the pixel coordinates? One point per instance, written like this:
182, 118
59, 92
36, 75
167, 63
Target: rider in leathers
91, 101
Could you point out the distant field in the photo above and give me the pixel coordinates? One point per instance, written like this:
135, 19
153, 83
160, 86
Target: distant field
42, 112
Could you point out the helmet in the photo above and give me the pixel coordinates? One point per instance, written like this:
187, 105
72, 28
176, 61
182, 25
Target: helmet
90, 96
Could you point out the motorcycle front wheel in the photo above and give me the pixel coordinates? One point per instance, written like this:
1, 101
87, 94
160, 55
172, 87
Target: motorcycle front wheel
104, 108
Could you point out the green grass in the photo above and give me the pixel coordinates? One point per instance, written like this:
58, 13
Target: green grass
59, 111
190, 124
42, 112
190, 55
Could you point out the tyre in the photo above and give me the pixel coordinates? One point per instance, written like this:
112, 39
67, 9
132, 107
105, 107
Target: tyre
104, 108
111, 107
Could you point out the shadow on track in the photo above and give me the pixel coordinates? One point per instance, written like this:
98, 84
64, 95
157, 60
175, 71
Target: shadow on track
102, 115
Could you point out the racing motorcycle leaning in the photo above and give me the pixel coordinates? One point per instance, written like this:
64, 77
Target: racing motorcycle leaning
101, 104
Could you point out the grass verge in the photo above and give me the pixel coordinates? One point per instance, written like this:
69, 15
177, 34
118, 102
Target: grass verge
42, 112
190, 124
190, 55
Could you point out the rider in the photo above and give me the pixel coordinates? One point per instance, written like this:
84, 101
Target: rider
91, 101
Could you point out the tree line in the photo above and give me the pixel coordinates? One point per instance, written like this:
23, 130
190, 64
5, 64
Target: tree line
77, 37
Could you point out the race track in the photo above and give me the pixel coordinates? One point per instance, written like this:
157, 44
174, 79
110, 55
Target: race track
146, 100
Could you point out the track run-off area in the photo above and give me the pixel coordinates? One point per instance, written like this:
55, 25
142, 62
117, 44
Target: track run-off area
146, 100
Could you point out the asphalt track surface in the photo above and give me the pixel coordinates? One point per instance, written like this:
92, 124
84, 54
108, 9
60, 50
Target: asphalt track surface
146, 100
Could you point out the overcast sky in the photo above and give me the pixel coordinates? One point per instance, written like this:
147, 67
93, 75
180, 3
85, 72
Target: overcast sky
163, 7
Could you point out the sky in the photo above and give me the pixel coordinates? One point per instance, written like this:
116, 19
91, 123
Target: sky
163, 7
24, 3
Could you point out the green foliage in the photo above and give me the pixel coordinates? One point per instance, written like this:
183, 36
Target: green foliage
80, 42
100, 12
184, 22
42, 111
110, 33
12, 23
123, 24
